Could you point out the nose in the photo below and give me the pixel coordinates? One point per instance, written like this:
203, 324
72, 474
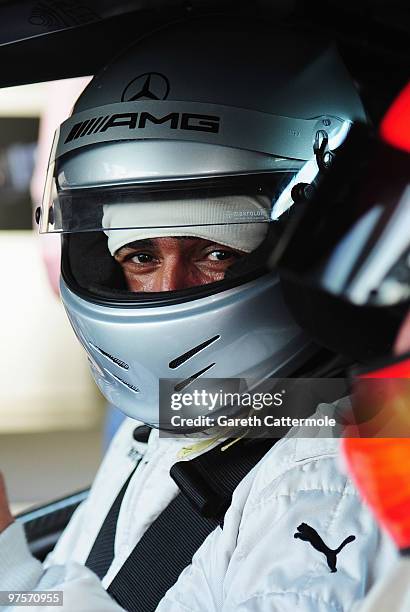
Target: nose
172, 275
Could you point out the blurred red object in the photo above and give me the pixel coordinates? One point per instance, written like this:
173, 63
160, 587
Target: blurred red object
395, 127
380, 467
380, 470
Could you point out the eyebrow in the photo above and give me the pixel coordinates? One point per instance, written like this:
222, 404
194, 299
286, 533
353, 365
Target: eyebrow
137, 243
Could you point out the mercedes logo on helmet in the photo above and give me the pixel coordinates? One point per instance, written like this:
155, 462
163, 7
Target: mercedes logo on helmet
147, 86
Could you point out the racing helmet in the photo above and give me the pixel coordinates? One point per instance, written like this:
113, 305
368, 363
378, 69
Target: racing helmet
356, 239
198, 134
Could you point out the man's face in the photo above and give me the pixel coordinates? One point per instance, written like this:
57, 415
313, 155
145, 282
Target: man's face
174, 263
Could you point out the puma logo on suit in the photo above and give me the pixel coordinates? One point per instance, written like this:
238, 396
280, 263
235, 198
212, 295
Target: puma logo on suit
306, 533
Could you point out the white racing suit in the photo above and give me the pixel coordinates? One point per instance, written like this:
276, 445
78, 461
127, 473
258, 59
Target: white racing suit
296, 536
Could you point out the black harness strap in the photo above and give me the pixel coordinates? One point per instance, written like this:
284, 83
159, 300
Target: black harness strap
102, 552
167, 547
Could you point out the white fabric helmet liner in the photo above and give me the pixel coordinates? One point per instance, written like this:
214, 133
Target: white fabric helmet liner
199, 218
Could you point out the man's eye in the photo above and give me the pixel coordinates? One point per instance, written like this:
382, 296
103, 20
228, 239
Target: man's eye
141, 258
220, 255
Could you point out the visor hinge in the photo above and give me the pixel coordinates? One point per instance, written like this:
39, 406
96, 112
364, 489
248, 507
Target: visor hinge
324, 156
304, 192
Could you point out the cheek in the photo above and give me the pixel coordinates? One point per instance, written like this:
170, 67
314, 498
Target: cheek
139, 282
210, 272
196, 276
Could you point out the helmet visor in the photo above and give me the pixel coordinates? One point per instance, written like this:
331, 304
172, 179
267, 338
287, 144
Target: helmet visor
143, 239
170, 204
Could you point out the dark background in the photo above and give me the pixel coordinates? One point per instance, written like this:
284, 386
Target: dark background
50, 39
18, 137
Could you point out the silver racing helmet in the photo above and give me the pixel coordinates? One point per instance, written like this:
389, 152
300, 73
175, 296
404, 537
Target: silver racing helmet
167, 184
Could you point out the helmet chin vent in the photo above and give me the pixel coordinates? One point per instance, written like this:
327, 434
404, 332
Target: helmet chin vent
118, 362
184, 383
123, 382
175, 363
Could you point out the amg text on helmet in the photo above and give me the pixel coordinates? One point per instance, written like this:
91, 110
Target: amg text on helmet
175, 121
